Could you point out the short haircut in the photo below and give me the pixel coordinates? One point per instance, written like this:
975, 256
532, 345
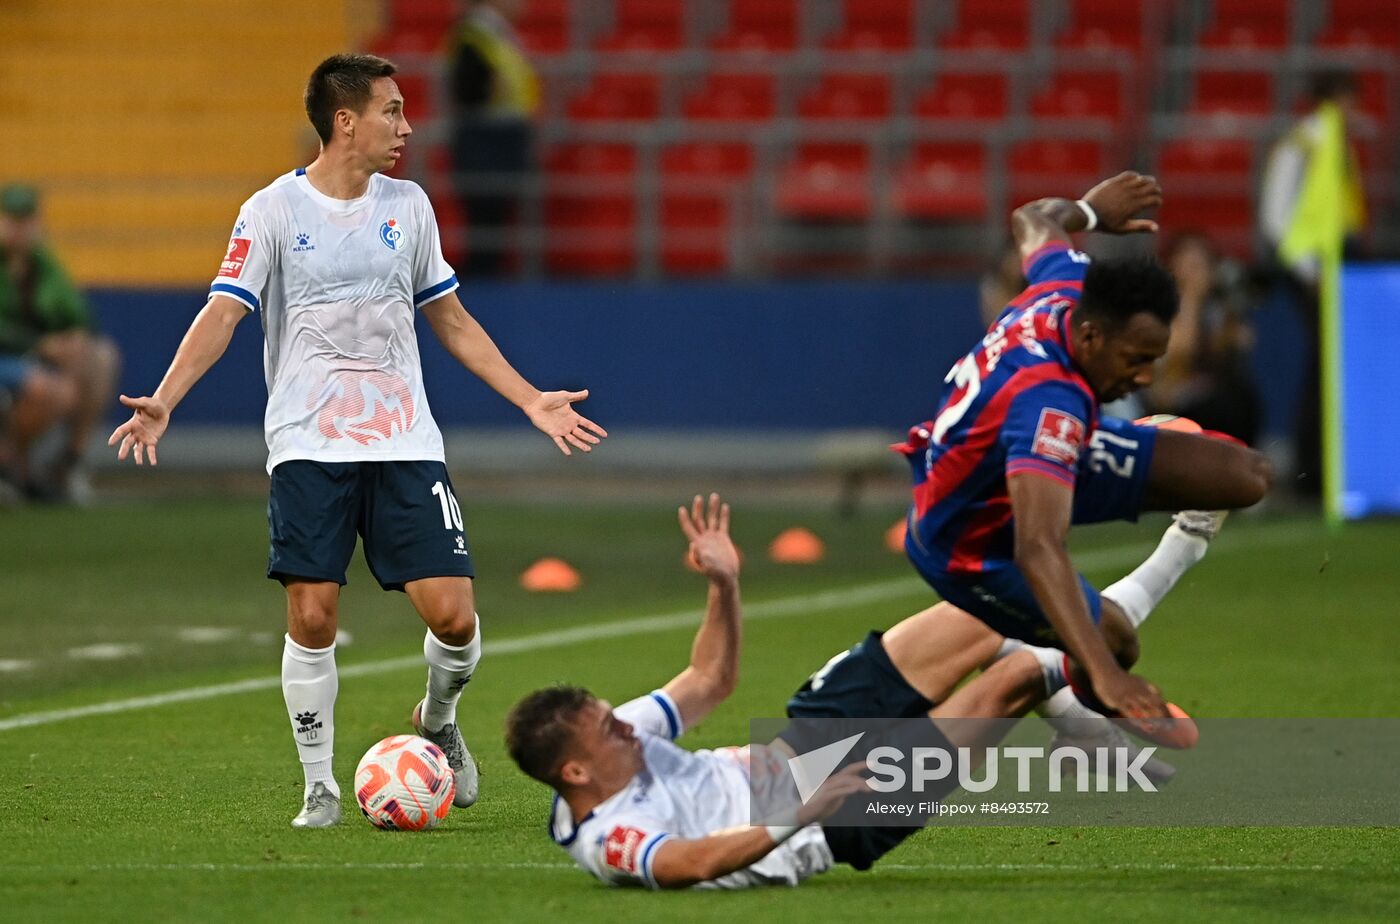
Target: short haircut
1328, 84
342, 82
540, 727
1116, 290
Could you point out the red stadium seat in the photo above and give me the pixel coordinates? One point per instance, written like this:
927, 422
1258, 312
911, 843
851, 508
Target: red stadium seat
697, 187
1040, 167
424, 16
942, 180
1236, 92
966, 96
827, 181
1374, 94
1362, 24
1248, 24
731, 97
646, 25
618, 97
1082, 95
990, 25
875, 25
589, 212
848, 96
544, 27
1230, 159
1226, 215
761, 25
1101, 25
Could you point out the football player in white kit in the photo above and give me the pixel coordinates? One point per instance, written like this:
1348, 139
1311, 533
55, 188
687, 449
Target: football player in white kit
339, 258
632, 808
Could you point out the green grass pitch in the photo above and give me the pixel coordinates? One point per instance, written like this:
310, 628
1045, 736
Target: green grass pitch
180, 811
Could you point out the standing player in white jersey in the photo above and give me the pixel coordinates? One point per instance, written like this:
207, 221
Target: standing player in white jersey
338, 258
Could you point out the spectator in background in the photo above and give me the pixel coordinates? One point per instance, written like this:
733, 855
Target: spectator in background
1002, 282
495, 94
1205, 374
1284, 172
56, 367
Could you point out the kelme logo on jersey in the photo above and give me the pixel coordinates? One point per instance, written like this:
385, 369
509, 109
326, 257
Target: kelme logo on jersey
303, 243
391, 234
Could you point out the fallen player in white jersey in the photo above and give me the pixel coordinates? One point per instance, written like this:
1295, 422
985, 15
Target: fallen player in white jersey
632, 808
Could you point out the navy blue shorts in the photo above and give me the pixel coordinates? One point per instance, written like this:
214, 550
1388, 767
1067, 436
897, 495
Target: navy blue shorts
1109, 485
861, 683
406, 513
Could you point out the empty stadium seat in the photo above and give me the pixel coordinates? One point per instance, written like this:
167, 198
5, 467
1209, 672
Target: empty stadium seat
761, 25
590, 214
545, 27
1102, 25
646, 25
1040, 167
848, 96
1236, 92
827, 181
732, 97
990, 25
698, 181
1248, 24
966, 96
618, 97
942, 181
1362, 24
1082, 95
875, 25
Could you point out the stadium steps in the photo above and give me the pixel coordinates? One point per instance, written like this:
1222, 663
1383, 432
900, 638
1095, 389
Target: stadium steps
146, 133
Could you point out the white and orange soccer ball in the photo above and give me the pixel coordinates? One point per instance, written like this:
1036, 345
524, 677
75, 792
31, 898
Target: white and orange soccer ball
403, 783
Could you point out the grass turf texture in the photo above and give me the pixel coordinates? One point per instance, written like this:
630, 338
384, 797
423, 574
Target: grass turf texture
182, 811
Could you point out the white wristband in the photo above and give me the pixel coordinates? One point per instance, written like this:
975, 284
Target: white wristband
780, 833
1089, 216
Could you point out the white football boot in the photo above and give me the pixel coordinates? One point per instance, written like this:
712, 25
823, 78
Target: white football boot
321, 809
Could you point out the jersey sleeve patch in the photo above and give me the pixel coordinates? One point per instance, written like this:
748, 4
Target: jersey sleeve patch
237, 256
1059, 437
622, 849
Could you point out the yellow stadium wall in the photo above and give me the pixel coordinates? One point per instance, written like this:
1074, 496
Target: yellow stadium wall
146, 123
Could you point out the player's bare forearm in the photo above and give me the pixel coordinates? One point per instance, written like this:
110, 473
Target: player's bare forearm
713, 672
1114, 203
680, 864
1044, 221
203, 344
467, 341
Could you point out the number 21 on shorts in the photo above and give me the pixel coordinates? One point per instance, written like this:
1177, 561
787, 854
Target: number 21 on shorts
451, 513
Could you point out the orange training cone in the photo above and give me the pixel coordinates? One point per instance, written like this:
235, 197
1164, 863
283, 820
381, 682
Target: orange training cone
894, 536
797, 546
550, 576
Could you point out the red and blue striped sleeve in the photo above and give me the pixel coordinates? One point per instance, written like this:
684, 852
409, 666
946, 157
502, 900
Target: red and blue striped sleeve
1047, 427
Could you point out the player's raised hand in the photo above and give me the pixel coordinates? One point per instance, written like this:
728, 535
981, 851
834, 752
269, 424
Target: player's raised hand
712, 552
553, 413
149, 418
1118, 199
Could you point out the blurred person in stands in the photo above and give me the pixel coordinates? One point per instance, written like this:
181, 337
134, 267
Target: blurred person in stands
1002, 282
1284, 175
495, 94
1205, 375
56, 368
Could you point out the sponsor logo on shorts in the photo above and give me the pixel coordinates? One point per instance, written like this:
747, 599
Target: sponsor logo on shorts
1058, 437
237, 255
620, 848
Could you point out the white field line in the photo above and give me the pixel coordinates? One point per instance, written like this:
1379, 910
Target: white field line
895, 589
276, 867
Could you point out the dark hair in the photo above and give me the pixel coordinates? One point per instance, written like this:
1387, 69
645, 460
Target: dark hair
1331, 83
540, 727
1115, 290
342, 82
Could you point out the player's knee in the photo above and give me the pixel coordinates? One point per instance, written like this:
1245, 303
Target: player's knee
311, 617
1252, 475
457, 627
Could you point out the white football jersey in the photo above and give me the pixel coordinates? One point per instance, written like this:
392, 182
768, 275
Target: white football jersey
338, 282
680, 793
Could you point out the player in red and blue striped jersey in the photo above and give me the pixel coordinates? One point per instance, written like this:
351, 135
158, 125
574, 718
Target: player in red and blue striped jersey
1018, 451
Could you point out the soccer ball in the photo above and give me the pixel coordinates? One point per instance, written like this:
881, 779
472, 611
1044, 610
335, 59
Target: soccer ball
403, 783
1169, 422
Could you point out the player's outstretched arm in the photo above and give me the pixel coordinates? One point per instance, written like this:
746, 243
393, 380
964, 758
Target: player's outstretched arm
205, 341
1114, 203
1041, 510
713, 671
551, 411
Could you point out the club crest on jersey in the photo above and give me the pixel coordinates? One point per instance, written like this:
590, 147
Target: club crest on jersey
237, 255
391, 234
1058, 437
620, 848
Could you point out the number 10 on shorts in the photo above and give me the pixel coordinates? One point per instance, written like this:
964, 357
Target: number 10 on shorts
451, 513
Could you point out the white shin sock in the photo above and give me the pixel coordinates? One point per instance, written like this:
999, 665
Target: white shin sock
309, 686
1140, 592
450, 667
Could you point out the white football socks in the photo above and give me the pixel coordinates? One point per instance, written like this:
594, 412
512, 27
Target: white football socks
309, 686
450, 667
1052, 662
1139, 593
